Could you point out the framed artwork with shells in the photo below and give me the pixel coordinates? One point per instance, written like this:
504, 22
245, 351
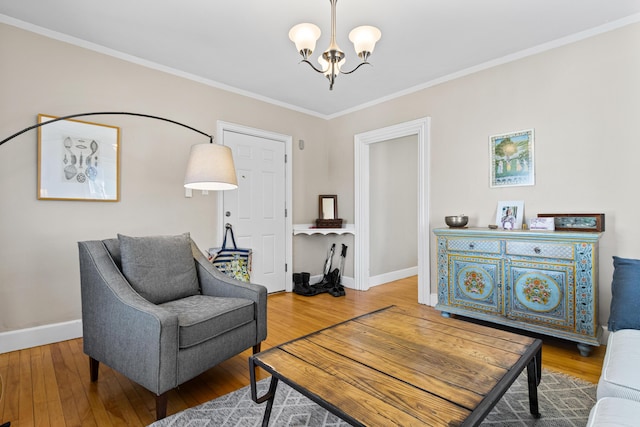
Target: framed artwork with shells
78, 161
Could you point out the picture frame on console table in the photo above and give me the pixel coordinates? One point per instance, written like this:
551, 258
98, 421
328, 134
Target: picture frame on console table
78, 161
577, 222
509, 215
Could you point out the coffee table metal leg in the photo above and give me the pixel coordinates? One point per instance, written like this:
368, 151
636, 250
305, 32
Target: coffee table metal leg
271, 395
533, 379
268, 397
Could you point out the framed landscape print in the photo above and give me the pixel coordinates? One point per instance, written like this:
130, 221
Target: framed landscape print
78, 161
511, 159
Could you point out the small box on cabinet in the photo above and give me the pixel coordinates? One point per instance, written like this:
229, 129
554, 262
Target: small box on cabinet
329, 223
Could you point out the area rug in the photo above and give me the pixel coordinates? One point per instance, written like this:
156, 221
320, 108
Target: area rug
564, 401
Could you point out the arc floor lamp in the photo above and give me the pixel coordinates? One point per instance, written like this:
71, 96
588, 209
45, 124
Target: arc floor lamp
210, 165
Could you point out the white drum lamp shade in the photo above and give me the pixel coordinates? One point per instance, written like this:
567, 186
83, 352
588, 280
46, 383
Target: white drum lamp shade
210, 167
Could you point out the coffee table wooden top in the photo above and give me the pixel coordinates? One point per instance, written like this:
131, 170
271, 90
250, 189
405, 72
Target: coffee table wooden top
401, 366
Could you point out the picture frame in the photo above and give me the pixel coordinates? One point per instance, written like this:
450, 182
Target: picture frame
510, 214
541, 224
328, 206
577, 222
78, 161
511, 159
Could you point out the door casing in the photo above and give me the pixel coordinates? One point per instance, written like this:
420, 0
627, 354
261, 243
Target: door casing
287, 141
362, 142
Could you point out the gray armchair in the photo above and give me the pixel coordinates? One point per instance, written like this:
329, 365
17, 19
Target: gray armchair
157, 311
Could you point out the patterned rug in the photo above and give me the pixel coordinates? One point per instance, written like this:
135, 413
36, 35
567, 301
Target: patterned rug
564, 401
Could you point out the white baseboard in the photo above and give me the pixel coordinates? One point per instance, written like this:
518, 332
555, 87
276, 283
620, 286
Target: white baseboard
434, 300
39, 335
392, 276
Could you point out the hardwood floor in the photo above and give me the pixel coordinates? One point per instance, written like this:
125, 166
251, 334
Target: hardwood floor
49, 385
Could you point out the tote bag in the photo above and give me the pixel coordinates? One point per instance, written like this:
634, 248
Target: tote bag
233, 261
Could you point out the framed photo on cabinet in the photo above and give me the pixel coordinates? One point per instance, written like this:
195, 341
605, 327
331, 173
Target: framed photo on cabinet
510, 214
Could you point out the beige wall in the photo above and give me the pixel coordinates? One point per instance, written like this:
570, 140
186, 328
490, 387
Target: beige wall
393, 202
583, 100
39, 280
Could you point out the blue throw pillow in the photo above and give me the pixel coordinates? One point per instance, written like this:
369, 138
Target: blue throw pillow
625, 294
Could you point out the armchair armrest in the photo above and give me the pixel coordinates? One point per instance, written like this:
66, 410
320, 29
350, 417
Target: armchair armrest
214, 283
122, 329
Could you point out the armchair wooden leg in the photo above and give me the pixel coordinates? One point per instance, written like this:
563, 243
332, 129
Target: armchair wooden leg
256, 348
94, 365
161, 405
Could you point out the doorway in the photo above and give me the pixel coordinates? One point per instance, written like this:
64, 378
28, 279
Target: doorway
363, 141
258, 210
393, 210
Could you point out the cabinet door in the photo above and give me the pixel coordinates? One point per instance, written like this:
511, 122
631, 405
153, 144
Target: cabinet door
541, 293
476, 283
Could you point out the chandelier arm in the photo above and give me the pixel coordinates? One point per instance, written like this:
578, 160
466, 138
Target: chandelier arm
359, 65
105, 113
314, 67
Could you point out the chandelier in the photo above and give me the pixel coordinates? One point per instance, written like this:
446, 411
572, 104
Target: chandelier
305, 36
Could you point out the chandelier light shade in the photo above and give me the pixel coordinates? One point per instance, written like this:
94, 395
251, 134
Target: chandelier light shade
306, 35
210, 167
364, 40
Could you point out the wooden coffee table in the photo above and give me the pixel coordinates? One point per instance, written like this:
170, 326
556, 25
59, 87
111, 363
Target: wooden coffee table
398, 366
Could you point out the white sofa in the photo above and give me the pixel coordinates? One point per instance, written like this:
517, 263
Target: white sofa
618, 391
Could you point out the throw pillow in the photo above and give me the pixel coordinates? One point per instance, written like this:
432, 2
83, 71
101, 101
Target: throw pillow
625, 294
159, 268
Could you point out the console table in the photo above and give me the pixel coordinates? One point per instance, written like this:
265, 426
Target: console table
310, 230
541, 281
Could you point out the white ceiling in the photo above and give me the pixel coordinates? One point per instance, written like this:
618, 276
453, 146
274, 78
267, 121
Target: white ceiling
243, 45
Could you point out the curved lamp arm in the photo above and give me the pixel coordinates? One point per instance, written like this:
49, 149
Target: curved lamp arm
210, 166
103, 113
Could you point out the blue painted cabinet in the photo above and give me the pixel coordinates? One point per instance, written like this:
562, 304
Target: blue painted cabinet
540, 281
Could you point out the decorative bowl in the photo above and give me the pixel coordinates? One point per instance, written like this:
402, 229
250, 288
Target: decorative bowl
456, 220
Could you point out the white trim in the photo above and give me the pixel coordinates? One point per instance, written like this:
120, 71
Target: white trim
573, 38
288, 182
434, 300
40, 335
149, 64
362, 141
392, 276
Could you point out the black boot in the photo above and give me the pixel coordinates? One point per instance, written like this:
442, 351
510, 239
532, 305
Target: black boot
297, 283
301, 285
334, 277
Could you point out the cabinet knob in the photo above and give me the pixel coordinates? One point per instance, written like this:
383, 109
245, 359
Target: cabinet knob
537, 250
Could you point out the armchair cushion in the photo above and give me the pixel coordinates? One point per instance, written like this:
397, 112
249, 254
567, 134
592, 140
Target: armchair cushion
159, 268
202, 317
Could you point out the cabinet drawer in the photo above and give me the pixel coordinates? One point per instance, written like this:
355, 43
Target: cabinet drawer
474, 245
540, 249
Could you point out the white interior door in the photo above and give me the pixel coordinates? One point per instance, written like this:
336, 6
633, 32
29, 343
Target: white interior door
257, 209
